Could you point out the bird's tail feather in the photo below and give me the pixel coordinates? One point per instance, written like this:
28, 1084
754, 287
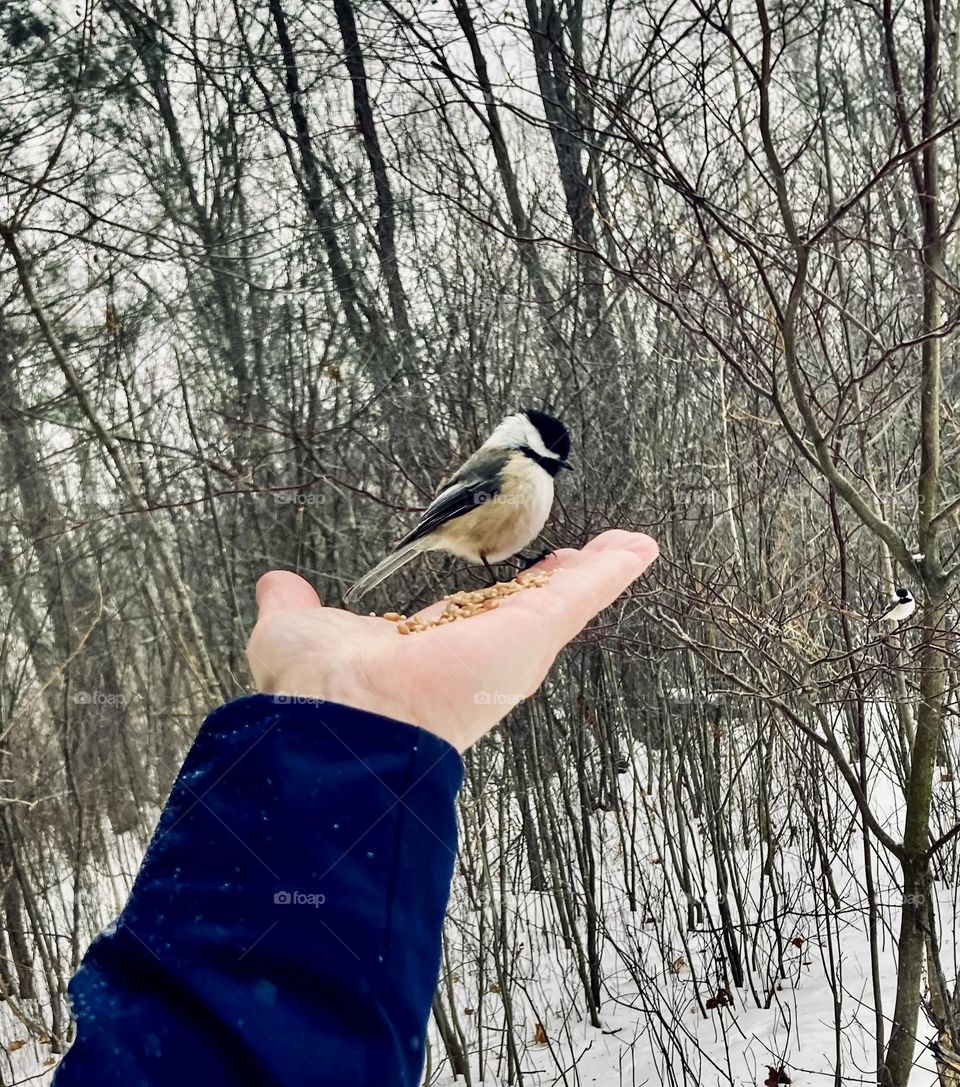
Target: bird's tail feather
382, 570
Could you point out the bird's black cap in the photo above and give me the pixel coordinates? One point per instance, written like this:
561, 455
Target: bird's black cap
554, 434
902, 592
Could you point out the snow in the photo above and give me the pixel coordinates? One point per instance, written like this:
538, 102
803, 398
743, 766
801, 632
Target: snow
815, 1023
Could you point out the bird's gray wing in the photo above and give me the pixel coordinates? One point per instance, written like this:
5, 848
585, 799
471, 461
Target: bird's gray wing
476, 482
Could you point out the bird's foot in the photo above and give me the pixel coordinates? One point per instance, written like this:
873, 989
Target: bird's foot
531, 560
522, 563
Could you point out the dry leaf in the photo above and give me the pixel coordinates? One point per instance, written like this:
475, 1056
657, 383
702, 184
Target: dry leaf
722, 999
775, 1076
540, 1035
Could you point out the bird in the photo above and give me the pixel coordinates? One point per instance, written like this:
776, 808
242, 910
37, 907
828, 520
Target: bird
494, 505
901, 607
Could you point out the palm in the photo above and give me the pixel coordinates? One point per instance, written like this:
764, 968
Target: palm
457, 680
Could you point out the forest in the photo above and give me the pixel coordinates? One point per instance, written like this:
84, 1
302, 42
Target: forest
270, 271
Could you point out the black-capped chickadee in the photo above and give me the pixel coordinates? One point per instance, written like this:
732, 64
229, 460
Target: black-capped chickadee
494, 505
901, 607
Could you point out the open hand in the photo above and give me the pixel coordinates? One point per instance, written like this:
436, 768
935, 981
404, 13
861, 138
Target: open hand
457, 680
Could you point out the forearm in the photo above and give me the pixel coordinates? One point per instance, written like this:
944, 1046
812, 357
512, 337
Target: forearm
285, 924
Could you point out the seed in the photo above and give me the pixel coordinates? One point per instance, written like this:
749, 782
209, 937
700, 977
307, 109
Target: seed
464, 604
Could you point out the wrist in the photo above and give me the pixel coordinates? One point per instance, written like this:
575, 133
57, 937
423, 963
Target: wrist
344, 689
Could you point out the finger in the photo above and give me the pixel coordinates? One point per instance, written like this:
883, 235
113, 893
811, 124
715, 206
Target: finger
583, 583
619, 539
614, 539
562, 557
283, 590
592, 579
610, 542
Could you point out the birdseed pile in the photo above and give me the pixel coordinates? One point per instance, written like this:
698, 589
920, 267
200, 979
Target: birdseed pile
464, 605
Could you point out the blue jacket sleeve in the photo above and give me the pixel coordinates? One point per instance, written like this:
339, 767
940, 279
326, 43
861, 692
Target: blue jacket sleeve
284, 927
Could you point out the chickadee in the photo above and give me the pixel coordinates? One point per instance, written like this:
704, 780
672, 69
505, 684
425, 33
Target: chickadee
901, 607
494, 505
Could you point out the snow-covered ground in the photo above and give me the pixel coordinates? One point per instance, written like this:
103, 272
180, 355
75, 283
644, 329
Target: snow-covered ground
806, 1009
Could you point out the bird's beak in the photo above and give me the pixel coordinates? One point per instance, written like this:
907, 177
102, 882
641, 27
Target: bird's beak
566, 464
